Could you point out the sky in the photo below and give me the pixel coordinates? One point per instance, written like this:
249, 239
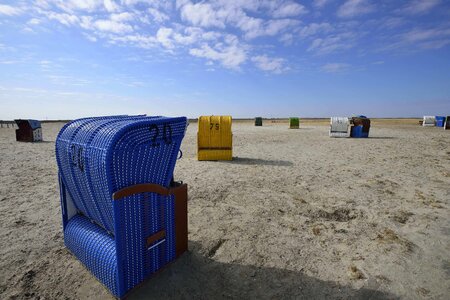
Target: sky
65, 59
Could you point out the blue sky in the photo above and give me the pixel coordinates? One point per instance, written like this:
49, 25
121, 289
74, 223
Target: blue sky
274, 58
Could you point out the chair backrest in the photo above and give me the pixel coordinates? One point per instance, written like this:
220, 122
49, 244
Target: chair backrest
429, 121
339, 124
99, 156
362, 121
440, 121
214, 132
294, 122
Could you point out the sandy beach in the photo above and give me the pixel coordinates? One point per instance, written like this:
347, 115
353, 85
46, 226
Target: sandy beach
295, 215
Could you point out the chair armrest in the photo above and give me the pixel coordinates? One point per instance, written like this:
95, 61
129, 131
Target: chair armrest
175, 190
179, 191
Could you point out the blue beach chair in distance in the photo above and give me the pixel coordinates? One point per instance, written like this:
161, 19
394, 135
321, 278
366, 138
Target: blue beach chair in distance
124, 217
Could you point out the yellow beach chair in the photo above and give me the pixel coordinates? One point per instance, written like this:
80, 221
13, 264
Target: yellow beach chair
214, 138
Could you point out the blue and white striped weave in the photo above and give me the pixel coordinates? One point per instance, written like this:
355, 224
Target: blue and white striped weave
99, 156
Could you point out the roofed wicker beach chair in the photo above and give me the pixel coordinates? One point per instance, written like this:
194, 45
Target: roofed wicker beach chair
339, 127
440, 121
429, 121
447, 123
29, 130
214, 138
360, 127
123, 215
294, 123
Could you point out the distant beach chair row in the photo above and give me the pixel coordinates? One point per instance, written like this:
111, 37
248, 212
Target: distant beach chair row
294, 122
438, 121
7, 124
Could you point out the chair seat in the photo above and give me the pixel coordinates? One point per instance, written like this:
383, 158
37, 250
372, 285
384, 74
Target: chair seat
339, 134
94, 247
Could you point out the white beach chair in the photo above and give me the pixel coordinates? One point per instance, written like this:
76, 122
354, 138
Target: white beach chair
429, 121
339, 127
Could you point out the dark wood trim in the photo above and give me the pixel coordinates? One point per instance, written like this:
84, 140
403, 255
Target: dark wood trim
147, 188
157, 236
181, 220
216, 148
179, 190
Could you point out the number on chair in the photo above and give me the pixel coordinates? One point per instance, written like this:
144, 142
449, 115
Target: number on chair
154, 128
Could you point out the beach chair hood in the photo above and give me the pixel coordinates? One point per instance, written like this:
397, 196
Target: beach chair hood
339, 127
123, 215
429, 121
99, 156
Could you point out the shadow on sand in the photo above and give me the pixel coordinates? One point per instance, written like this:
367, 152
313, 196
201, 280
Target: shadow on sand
258, 161
382, 138
195, 276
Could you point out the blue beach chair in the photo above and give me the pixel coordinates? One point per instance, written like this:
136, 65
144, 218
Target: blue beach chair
360, 127
123, 215
440, 121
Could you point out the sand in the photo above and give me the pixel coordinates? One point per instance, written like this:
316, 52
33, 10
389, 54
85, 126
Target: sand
296, 214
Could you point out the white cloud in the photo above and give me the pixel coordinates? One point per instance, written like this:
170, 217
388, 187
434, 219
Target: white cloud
290, 9
110, 5
436, 44
112, 26
355, 8
34, 21
418, 35
9, 10
275, 26
332, 43
287, 39
265, 63
315, 28
138, 40
90, 37
223, 14
157, 15
169, 38
230, 57
122, 17
163, 36
268, 28
320, 3
426, 38
9, 62
392, 22
63, 18
193, 35
203, 28
420, 6
201, 14
82, 5
252, 26
86, 22
335, 67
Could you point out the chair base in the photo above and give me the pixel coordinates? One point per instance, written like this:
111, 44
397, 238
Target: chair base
95, 248
102, 252
215, 154
340, 134
357, 132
